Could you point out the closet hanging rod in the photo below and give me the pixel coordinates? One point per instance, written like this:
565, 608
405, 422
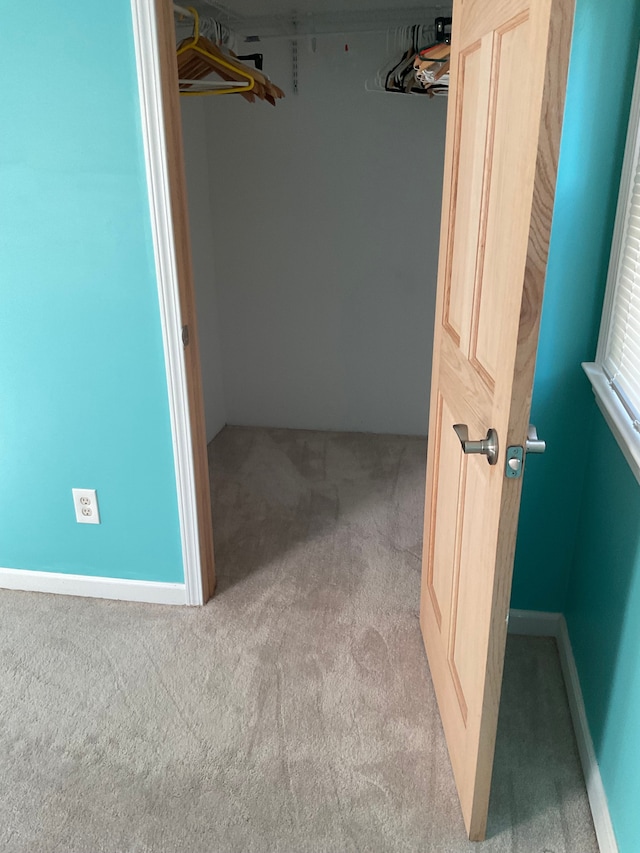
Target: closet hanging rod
207, 85
180, 10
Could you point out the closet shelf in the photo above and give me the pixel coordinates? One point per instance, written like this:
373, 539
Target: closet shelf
323, 23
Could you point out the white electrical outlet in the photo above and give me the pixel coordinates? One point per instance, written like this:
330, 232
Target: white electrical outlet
85, 502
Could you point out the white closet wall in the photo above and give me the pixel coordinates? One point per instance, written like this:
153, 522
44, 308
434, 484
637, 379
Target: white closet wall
325, 214
201, 231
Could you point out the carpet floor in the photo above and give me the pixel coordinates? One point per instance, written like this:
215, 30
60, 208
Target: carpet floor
292, 714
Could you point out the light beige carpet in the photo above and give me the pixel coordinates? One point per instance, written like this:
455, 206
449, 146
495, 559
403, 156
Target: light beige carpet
295, 712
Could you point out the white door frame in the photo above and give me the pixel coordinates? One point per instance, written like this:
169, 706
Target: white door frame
152, 110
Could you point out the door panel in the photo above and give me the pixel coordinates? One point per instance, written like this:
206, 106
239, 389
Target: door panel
439, 579
468, 193
509, 64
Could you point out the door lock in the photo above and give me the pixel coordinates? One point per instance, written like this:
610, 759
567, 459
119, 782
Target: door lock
516, 453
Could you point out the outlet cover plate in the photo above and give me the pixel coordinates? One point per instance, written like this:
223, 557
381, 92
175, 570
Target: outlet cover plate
85, 502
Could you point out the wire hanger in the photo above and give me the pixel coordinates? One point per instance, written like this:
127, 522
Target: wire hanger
420, 70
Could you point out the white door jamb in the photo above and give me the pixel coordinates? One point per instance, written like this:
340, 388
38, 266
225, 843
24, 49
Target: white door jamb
155, 149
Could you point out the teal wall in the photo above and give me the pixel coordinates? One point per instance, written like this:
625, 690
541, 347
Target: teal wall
578, 546
82, 381
596, 116
603, 615
602, 605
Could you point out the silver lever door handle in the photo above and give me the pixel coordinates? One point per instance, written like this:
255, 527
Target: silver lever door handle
486, 446
534, 444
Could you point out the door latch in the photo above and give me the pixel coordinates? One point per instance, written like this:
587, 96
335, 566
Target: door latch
515, 453
514, 463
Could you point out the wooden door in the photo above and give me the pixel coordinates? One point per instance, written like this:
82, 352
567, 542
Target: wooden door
509, 66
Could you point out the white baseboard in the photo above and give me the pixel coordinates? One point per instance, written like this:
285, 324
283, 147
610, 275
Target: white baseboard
152, 592
595, 788
554, 625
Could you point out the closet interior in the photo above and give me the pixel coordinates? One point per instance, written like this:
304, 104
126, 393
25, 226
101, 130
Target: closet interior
314, 148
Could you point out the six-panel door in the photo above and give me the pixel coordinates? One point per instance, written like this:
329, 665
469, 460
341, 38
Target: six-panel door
508, 65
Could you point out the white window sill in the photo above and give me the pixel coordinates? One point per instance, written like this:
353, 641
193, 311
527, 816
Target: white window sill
616, 416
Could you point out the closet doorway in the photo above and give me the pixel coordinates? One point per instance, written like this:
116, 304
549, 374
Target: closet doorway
314, 228
470, 528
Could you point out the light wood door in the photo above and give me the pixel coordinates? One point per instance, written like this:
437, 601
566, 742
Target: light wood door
509, 65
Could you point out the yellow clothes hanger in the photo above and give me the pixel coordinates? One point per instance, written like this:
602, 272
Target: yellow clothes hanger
198, 68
